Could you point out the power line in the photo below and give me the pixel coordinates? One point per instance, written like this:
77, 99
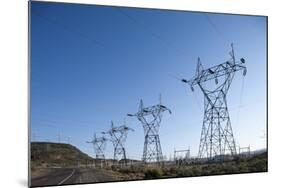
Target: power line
220, 34
152, 33
240, 100
67, 28
186, 91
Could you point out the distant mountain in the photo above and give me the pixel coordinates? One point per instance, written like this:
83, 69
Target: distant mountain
44, 154
260, 151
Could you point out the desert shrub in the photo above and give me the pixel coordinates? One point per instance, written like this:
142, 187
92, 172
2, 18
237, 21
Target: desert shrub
114, 168
184, 172
243, 168
152, 173
205, 168
239, 160
125, 170
132, 169
173, 170
196, 171
258, 165
166, 171
230, 168
138, 169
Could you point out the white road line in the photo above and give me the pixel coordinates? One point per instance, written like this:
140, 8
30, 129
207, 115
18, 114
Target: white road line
64, 180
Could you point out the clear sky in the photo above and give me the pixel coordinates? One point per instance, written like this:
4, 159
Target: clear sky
92, 64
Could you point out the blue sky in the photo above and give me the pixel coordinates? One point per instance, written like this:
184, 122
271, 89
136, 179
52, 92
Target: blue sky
92, 64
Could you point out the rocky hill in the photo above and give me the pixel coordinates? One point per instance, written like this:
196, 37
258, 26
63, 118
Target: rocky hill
45, 154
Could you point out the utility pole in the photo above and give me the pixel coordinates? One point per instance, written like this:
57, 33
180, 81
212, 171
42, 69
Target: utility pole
216, 135
150, 118
118, 136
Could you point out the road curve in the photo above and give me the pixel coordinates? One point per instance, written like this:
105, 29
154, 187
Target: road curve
57, 176
63, 176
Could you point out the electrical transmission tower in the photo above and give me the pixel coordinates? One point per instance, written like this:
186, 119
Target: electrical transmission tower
217, 137
150, 117
99, 144
118, 137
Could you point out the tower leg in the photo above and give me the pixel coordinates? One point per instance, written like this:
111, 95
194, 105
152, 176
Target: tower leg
152, 151
217, 138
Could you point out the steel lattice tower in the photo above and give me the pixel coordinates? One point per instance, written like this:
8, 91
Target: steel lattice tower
150, 117
99, 144
217, 137
118, 136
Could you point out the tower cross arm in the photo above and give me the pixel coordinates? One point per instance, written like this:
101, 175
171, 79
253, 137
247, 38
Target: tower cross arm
216, 72
164, 108
151, 110
96, 140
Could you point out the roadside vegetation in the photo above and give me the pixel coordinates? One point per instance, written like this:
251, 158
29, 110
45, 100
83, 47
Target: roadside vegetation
239, 165
47, 157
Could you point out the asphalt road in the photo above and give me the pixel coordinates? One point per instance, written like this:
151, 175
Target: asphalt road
56, 177
61, 176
